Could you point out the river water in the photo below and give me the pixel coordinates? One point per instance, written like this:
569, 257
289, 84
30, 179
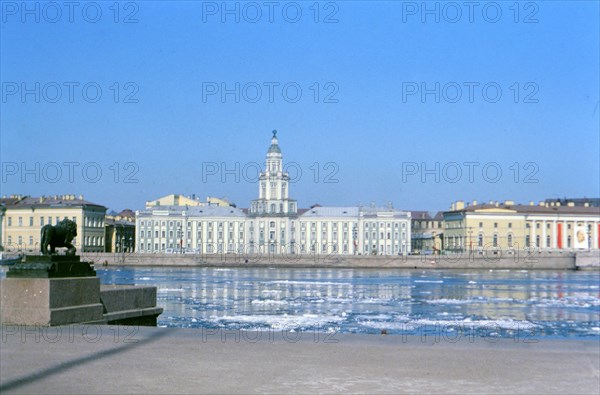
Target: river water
516, 304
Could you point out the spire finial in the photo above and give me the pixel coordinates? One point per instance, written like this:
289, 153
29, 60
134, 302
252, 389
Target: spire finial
274, 134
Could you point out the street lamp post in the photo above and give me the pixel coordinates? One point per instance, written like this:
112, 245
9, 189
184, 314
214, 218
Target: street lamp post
119, 237
179, 233
354, 239
470, 240
123, 240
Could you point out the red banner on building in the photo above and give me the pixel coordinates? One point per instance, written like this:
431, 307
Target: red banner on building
559, 235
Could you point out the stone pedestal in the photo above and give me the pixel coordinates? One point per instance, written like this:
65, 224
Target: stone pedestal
53, 266
50, 290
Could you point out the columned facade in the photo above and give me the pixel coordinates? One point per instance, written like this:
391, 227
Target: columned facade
273, 224
542, 227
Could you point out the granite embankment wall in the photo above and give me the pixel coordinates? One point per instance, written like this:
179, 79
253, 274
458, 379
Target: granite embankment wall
551, 261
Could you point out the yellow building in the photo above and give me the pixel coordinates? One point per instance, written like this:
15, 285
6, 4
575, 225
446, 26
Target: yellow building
2, 211
24, 217
120, 232
190, 201
496, 226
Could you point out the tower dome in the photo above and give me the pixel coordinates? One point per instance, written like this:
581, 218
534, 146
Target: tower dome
274, 148
273, 186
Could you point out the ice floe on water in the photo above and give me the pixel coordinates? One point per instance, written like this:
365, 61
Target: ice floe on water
390, 326
308, 282
283, 321
379, 317
471, 301
452, 301
374, 300
570, 301
342, 300
269, 302
270, 292
478, 323
499, 302
406, 324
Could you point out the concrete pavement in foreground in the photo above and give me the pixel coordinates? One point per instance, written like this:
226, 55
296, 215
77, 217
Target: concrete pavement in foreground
111, 359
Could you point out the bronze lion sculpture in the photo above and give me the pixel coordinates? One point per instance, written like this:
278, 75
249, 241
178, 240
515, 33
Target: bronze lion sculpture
60, 235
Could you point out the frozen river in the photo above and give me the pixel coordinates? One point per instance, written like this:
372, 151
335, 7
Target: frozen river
447, 304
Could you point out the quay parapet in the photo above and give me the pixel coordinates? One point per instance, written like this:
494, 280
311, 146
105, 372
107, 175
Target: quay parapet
51, 290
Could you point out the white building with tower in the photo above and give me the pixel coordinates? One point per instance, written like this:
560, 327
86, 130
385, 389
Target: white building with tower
274, 224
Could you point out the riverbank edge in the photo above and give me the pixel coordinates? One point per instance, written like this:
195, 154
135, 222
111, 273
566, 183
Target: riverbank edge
568, 261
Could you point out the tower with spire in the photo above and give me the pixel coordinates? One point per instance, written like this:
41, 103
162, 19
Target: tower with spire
273, 186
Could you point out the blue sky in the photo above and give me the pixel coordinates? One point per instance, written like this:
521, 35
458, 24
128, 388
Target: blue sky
370, 134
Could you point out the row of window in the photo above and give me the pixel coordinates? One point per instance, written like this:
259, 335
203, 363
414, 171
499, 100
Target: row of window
178, 224
89, 240
19, 240
163, 234
426, 224
381, 235
171, 235
9, 221
458, 241
549, 224
92, 222
272, 247
272, 208
271, 224
383, 225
